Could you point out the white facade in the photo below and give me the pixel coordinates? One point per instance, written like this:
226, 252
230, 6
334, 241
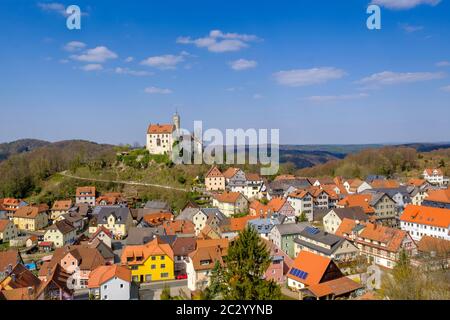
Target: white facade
302, 205
435, 177
113, 289
417, 231
159, 143
196, 279
199, 220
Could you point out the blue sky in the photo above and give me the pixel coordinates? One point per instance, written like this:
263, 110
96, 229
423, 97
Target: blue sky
309, 68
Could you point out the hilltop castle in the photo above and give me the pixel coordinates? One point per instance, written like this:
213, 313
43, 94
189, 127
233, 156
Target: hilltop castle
160, 137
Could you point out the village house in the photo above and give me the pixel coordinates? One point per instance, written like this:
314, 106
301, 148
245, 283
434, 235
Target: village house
85, 195
264, 226
111, 199
353, 186
8, 230
54, 284
153, 261
282, 186
230, 203
179, 228
11, 205
279, 265
435, 177
31, 218
182, 247
276, 206
333, 219
302, 202
77, 261
432, 254
61, 233
59, 208
421, 221
283, 236
325, 244
110, 283
19, 284
117, 220
202, 260
214, 180
437, 198
381, 245
75, 219
231, 228
310, 269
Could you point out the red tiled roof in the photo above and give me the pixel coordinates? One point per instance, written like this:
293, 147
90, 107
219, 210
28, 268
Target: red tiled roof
160, 128
228, 197
311, 263
214, 172
439, 195
426, 216
358, 200
102, 274
85, 192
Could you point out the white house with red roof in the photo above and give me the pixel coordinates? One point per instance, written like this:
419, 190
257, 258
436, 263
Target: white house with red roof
159, 136
421, 221
435, 177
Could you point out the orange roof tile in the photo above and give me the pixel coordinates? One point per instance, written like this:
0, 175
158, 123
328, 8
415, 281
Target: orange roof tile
214, 172
239, 224
426, 216
4, 224
160, 128
336, 287
416, 182
385, 184
103, 274
85, 192
358, 200
30, 212
179, 227
431, 244
228, 197
311, 263
230, 172
429, 171
442, 195
62, 205
141, 253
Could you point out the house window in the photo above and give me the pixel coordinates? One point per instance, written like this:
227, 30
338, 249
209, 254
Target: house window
105, 286
121, 286
164, 275
163, 266
105, 297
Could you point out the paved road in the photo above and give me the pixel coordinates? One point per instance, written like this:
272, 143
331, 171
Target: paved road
131, 183
153, 290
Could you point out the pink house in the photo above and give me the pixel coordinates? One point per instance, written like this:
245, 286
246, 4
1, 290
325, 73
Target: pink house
280, 265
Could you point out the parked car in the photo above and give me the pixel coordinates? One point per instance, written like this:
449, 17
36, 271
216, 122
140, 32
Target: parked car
181, 276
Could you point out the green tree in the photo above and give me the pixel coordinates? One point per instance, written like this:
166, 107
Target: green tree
241, 276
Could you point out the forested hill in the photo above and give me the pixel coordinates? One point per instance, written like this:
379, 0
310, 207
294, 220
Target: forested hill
22, 172
20, 146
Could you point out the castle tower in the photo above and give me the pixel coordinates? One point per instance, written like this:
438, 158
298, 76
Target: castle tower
176, 121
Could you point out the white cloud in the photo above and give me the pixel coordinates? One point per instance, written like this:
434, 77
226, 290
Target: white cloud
74, 46
446, 88
337, 97
410, 28
92, 67
56, 7
53, 7
258, 96
155, 90
391, 78
217, 41
243, 64
404, 4
127, 71
305, 77
98, 54
168, 61
443, 64
129, 59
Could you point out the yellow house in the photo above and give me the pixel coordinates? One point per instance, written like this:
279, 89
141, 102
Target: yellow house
31, 218
117, 220
153, 261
